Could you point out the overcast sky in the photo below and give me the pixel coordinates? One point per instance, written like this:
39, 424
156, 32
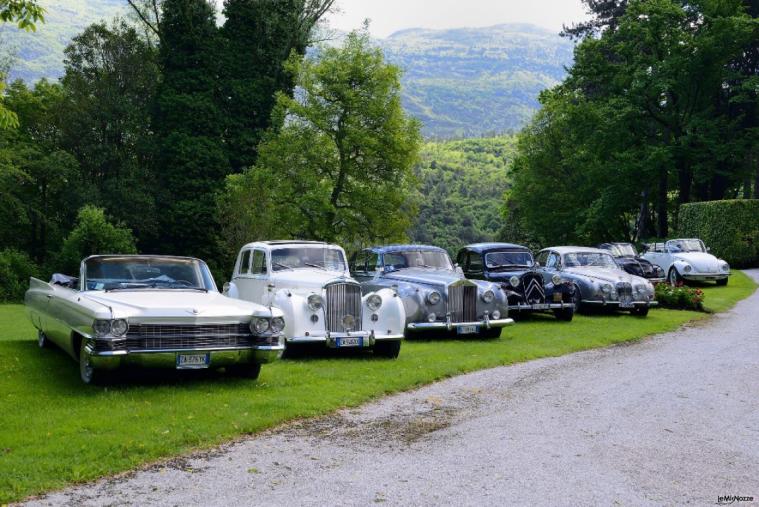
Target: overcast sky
388, 16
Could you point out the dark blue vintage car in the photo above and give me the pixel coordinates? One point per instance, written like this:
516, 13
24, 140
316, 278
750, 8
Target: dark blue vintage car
435, 295
527, 287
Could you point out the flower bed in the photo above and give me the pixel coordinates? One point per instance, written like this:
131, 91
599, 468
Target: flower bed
679, 297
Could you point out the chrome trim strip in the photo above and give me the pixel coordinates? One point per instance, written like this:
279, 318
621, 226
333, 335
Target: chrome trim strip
453, 325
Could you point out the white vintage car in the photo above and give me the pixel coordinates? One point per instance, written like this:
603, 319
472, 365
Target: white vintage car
687, 259
310, 283
151, 311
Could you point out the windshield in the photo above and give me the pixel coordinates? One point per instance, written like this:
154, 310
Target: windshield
326, 258
595, 259
623, 250
686, 245
513, 258
145, 272
417, 259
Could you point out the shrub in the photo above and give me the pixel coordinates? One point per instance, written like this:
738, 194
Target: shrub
680, 297
15, 269
94, 234
730, 228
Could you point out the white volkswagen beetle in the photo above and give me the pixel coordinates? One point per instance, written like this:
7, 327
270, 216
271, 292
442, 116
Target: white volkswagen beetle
310, 283
687, 259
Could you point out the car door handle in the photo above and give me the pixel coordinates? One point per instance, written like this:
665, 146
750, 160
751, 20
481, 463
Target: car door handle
49, 296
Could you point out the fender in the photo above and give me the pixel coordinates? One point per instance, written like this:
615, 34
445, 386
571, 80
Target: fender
391, 316
230, 290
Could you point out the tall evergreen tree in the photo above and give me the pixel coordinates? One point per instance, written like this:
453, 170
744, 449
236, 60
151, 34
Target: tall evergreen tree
190, 162
258, 37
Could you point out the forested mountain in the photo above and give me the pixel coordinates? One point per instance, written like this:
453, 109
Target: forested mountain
462, 183
460, 83
469, 82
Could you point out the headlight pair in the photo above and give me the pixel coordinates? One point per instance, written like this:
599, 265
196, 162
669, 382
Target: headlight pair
103, 327
260, 325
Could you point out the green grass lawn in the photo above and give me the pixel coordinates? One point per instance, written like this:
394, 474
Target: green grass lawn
55, 431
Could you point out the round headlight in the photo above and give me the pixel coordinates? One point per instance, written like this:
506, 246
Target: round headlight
277, 324
119, 327
348, 322
432, 317
259, 325
640, 289
488, 296
556, 279
315, 302
496, 315
725, 267
374, 302
606, 288
514, 281
433, 298
687, 268
101, 327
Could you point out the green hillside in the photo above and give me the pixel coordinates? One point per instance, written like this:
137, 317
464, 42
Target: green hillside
40, 54
462, 184
471, 82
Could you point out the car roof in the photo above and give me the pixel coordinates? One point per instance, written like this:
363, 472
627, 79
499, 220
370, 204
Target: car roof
403, 247
141, 256
484, 247
561, 250
284, 242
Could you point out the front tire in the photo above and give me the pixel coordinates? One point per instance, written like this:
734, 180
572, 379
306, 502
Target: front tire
493, 332
577, 300
245, 370
722, 282
565, 314
674, 277
639, 311
388, 349
87, 371
42, 340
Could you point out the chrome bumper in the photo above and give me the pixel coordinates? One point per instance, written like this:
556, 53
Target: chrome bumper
540, 307
368, 338
450, 326
166, 358
618, 304
704, 277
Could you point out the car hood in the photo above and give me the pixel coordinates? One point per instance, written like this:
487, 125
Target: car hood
307, 280
502, 276
176, 304
601, 274
431, 277
701, 261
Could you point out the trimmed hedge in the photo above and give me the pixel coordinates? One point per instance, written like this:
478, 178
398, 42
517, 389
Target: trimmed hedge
730, 228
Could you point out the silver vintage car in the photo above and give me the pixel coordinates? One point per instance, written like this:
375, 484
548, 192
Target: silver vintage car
435, 294
151, 311
598, 280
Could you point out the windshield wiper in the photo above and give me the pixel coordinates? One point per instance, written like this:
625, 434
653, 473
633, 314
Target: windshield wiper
283, 266
128, 286
314, 266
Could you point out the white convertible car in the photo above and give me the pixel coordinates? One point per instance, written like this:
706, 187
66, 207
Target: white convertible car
151, 311
687, 259
310, 283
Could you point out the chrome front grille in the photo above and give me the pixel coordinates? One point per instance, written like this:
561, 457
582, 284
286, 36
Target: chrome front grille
534, 293
624, 291
462, 303
179, 337
342, 305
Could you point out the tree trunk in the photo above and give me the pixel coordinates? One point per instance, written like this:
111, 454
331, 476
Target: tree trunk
661, 205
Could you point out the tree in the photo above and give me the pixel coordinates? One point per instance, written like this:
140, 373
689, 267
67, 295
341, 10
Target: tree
340, 167
25, 13
190, 161
258, 37
108, 88
94, 234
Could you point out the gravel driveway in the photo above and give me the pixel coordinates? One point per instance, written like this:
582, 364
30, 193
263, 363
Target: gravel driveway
671, 420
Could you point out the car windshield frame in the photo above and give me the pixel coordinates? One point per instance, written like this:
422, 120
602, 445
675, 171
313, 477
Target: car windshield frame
623, 250
145, 272
603, 260
427, 259
308, 258
497, 265
686, 246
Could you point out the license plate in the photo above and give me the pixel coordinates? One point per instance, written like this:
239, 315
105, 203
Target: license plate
468, 329
350, 341
557, 296
626, 304
541, 306
193, 361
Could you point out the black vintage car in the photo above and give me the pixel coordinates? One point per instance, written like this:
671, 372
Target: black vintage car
528, 287
628, 259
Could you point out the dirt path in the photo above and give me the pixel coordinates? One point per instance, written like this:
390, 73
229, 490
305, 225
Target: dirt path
671, 420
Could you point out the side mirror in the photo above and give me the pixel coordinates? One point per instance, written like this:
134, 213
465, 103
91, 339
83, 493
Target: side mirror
536, 264
225, 288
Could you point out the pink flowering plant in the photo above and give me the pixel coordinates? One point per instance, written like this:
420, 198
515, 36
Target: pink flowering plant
680, 297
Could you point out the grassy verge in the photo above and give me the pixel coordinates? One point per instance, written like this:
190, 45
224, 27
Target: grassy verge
54, 431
